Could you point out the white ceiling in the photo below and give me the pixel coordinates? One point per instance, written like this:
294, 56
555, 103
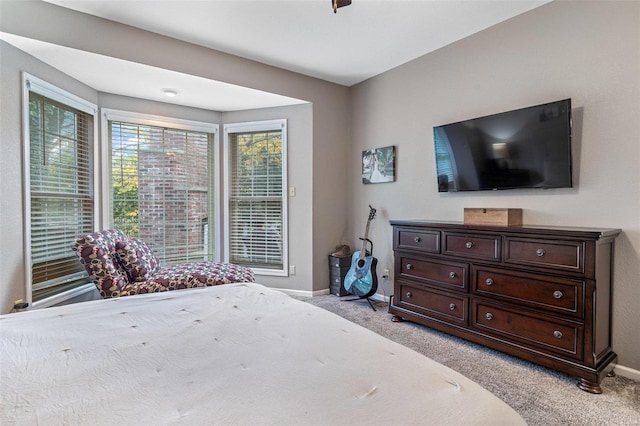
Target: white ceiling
360, 41
120, 77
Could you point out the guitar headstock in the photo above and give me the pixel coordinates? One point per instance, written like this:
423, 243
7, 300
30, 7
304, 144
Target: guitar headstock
372, 213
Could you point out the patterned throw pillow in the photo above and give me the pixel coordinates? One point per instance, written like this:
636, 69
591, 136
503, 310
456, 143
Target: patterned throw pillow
136, 258
96, 251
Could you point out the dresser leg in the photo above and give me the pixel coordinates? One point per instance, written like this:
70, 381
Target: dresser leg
395, 318
590, 387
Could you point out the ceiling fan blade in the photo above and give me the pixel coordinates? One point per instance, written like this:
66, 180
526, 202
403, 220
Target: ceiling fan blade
339, 3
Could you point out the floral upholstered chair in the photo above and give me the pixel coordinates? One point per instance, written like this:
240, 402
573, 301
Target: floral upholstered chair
123, 266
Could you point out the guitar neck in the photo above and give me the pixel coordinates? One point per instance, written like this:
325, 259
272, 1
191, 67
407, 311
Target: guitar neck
363, 251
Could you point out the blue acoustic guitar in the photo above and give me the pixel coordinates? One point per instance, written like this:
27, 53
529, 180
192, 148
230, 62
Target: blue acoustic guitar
361, 280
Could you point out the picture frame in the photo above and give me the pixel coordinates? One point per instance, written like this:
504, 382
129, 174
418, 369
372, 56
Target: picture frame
379, 165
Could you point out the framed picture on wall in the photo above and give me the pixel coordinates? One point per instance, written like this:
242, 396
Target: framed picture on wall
379, 165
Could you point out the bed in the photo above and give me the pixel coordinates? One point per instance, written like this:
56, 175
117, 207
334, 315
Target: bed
232, 354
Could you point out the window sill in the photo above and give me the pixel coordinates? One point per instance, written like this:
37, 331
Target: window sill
63, 297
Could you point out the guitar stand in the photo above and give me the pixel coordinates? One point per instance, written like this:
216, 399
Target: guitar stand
360, 298
369, 253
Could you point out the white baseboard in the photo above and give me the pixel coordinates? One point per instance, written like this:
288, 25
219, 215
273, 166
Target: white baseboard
380, 298
627, 372
302, 293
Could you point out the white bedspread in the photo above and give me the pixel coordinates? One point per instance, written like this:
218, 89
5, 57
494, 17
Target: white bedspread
231, 354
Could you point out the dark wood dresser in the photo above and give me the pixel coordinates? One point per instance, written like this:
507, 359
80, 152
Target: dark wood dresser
539, 293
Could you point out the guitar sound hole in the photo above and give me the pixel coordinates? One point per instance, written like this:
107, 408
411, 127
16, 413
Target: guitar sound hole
361, 263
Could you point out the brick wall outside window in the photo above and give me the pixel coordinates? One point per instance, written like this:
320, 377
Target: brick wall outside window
173, 194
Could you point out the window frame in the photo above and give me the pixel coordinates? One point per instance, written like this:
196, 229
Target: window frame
441, 143
258, 126
108, 114
40, 87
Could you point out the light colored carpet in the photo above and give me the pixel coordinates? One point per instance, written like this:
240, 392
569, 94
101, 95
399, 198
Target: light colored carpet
541, 396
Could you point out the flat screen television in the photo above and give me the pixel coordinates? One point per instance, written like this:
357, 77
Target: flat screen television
524, 148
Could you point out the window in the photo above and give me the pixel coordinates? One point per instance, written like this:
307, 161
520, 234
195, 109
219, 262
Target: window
256, 214
160, 185
59, 187
446, 169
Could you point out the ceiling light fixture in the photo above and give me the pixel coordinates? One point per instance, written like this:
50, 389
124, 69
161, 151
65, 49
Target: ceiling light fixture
339, 3
172, 93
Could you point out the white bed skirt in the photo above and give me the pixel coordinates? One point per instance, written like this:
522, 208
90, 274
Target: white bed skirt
236, 354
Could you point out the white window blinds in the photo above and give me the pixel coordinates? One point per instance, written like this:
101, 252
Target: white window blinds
160, 189
446, 168
61, 193
256, 202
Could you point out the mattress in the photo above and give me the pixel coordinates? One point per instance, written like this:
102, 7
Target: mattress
236, 354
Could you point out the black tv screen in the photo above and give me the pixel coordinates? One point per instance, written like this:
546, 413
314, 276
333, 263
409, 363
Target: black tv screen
524, 148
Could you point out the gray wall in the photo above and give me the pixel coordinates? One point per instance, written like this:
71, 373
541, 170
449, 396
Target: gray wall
587, 51
13, 62
300, 163
315, 230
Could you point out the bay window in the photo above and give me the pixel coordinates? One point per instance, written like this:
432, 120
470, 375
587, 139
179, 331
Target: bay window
161, 184
59, 189
255, 201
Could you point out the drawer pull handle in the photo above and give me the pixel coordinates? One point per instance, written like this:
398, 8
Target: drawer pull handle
558, 294
469, 244
557, 334
452, 274
540, 252
452, 306
489, 316
409, 295
337, 265
337, 280
417, 239
489, 281
409, 266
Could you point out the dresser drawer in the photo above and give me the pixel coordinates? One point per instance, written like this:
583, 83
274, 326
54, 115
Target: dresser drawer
432, 303
476, 246
339, 262
556, 254
338, 268
561, 295
533, 331
435, 272
420, 240
336, 277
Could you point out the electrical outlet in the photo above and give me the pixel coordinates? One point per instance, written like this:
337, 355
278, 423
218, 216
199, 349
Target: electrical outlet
292, 270
386, 273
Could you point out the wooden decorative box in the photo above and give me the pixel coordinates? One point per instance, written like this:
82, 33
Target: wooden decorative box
494, 216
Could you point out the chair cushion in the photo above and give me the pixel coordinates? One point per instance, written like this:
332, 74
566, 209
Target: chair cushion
96, 253
190, 275
137, 259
